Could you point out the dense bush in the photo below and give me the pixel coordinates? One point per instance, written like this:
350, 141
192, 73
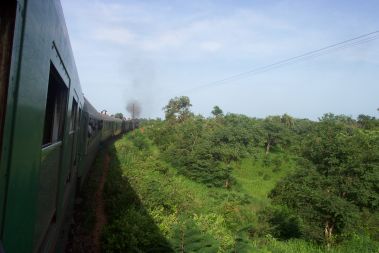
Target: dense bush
282, 222
340, 180
194, 148
231, 183
202, 149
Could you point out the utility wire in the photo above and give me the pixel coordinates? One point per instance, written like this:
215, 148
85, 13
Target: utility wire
264, 69
292, 60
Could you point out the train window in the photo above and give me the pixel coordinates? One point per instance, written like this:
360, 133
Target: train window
90, 127
55, 108
74, 110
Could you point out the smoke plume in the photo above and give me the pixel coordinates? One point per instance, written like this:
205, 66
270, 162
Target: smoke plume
140, 75
134, 109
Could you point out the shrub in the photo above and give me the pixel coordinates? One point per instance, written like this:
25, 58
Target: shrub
266, 177
282, 223
134, 231
139, 140
276, 169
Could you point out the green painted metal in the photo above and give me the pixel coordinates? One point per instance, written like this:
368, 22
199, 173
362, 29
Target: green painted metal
38, 184
87, 148
10, 108
40, 41
7, 30
47, 193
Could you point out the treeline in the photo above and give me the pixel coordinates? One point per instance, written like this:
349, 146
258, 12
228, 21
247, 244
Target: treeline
333, 193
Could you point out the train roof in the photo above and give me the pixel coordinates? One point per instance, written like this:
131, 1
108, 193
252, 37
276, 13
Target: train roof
88, 107
108, 118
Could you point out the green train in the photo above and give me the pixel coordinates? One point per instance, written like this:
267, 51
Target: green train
49, 132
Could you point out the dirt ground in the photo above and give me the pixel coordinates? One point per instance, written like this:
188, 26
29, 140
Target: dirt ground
85, 235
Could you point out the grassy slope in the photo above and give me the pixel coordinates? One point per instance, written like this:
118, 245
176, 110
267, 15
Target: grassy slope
168, 200
257, 179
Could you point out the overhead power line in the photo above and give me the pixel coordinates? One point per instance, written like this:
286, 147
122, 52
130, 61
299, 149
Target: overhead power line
364, 38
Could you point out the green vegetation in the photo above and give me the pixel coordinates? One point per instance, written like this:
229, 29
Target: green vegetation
231, 183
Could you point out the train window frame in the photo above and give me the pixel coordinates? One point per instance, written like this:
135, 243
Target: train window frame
55, 109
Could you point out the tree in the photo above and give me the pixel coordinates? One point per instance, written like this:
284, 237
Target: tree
367, 122
287, 120
119, 115
314, 199
275, 131
337, 181
217, 111
178, 108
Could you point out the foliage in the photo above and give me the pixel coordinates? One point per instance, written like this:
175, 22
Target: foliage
130, 227
191, 147
119, 115
134, 232
152, 204
232, 183
276, 131
189, 239
178, 108
217, 111
341, 179
243, 240
138, 140
282, 222
367, 122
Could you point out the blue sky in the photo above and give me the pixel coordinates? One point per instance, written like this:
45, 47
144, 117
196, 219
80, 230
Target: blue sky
151, 51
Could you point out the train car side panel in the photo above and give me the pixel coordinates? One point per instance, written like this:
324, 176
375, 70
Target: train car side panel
90, 139
10, 32
27, 135
50, 137
33, 210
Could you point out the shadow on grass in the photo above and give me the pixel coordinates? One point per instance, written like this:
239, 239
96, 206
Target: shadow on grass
130, 227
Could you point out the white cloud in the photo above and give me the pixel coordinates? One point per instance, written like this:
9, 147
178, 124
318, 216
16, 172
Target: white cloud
158, 28
118, 35
211, 46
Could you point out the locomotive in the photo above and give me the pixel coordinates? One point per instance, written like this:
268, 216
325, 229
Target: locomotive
49, 132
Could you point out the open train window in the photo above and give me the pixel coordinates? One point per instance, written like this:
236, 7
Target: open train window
55, 108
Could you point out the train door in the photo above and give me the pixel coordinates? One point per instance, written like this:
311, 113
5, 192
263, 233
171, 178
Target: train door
51, 156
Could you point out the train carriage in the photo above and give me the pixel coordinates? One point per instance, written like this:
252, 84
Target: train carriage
110, 126
49, 133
